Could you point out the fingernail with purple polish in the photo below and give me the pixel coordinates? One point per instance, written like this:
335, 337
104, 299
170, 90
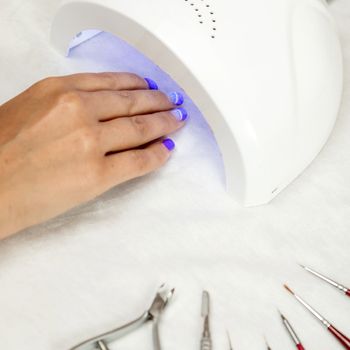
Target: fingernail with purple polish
176, 98
169, 144
152, 85
180, 114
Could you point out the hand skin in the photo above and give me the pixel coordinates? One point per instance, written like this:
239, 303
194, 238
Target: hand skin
66, 140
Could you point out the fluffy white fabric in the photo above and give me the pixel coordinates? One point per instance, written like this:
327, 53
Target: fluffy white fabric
99, 265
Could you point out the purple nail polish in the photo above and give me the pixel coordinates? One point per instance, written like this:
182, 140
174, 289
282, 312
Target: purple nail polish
176, 98
180, 114
169, 144
152, 85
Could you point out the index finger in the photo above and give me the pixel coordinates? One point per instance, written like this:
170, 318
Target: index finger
108, 81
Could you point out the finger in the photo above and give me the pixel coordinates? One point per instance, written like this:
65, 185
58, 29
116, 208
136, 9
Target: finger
108, 81
125, 133
128, 165
108, 105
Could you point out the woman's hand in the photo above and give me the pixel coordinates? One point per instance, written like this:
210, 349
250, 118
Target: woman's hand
66, 140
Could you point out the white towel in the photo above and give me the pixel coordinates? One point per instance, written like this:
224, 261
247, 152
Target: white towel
99, 265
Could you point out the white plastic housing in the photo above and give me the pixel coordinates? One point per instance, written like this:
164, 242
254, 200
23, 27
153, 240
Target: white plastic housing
267, 75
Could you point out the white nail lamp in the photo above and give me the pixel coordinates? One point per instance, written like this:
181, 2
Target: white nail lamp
267, 75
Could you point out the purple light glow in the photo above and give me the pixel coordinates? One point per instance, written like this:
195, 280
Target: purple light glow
196, 145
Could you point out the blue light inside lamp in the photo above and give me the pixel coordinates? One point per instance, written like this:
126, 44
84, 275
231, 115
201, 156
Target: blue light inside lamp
98, 51
81, 37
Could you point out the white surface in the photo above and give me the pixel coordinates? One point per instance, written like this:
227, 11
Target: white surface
99, 265
281, 64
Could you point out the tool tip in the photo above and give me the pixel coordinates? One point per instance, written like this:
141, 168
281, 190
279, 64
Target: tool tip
165, 292
288, 289
205, 303
267, 344
302, 266
229, 340
282, 316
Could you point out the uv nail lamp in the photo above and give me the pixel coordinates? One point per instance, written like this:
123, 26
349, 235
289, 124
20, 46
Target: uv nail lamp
267, 75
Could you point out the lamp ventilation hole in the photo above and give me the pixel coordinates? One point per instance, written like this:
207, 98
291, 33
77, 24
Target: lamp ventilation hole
205, 15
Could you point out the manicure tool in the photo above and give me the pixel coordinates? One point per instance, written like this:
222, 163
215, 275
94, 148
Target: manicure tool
206, 337
343, 289
343, 339
101, 341
267, 345
292, 333
229, 341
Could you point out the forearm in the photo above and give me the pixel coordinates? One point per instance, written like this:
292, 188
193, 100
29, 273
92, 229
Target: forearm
9, 220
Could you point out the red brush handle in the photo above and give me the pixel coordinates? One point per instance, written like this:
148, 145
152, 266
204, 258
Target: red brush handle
300, 347
344, 340
348, 292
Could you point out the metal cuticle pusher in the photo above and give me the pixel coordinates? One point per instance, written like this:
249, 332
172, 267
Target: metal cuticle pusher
206, 343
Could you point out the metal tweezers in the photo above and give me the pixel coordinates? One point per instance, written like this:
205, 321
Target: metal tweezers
101, 341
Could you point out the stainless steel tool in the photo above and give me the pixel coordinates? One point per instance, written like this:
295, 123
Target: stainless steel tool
206, 343
101, 341
267, 344
229, 341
